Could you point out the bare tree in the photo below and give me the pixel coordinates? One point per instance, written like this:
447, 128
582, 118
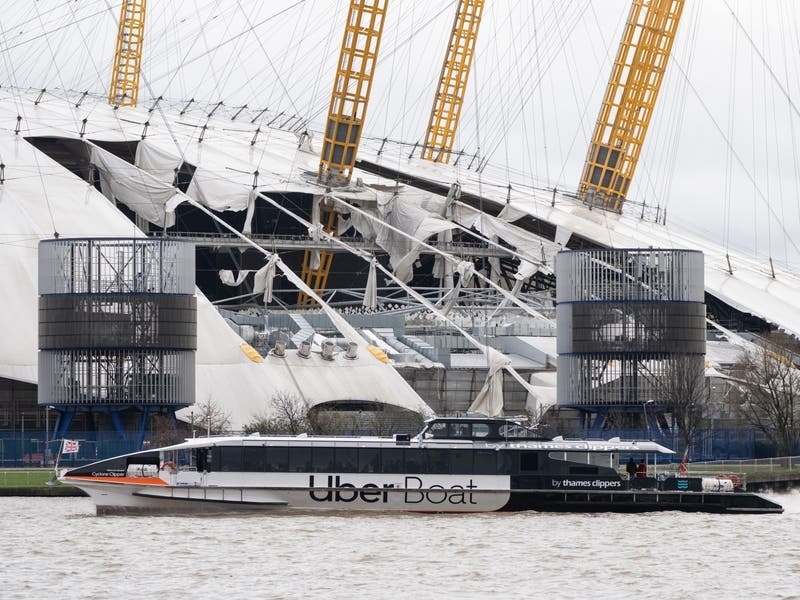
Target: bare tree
212, 417
291, 410
286, 413
163, 431
771, 396
681, 391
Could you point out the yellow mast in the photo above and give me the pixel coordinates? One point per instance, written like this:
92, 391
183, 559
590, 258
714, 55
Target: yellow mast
346, 114
446, 109
351, 88
124, 90
628, 105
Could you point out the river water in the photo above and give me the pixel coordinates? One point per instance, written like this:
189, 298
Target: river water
58, 548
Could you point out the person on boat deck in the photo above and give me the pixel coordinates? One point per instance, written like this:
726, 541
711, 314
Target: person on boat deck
631, 468
641, 470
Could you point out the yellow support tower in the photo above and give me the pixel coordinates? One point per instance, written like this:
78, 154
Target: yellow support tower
346, 114
446, 110
124, 89
351, 88
628, 105
317, 279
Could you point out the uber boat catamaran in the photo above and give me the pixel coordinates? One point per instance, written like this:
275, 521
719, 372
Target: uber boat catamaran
455, 464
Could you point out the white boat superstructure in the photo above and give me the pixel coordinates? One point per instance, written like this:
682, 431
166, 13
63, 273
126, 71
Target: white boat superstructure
456, 464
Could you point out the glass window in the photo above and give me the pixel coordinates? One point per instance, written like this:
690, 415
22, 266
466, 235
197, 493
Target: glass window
347, 460
461, 462
415, 460
199, 458
277, 459
391, 460
230, 458
480, 430
212, 459
300, 459
369, 460
255, 458
323, 459
437, 461
528, 461
437, 430
484, 462
460, 430
504, 463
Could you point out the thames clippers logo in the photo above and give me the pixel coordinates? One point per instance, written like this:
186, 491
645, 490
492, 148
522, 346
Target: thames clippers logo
583, 484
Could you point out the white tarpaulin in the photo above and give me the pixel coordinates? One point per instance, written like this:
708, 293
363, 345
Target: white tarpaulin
371, 289
489, 400
160, 163
413, 220
136, 189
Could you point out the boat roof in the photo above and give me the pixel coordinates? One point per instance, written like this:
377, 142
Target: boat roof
555, 445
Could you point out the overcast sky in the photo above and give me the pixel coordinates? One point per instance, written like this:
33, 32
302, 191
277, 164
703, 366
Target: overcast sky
721, 154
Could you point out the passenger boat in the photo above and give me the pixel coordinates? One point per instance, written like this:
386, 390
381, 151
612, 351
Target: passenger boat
455, 464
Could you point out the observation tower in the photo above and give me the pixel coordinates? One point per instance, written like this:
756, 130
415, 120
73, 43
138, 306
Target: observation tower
117, 331
631, 332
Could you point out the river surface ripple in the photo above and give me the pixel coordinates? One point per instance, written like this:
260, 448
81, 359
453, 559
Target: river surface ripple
58, 548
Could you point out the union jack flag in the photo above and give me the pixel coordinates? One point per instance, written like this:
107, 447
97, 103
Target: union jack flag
70, 447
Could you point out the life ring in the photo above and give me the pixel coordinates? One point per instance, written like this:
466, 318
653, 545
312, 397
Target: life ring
168, 465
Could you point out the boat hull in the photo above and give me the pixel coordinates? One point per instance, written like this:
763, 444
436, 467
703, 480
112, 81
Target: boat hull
638, 501
121, 497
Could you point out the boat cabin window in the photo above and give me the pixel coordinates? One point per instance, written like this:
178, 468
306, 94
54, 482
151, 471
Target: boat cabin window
230, 458
392, 460
460, 461
277, 458
528, 462
457, 430
438, 461
300, 459
369, 460
414, 460
437, 430
346, 459
255, 458
480, 430
351, 459
484, 462
475, 429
